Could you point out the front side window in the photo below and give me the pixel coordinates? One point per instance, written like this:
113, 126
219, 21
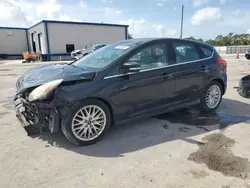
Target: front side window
152, 56
185, 52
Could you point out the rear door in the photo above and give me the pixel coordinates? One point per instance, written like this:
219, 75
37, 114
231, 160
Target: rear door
190, 70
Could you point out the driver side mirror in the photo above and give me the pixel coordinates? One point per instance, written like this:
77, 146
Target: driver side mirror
131, 67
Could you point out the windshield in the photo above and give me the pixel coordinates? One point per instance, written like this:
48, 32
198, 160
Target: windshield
105, 55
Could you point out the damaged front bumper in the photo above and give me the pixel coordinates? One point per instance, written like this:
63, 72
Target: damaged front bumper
37, 116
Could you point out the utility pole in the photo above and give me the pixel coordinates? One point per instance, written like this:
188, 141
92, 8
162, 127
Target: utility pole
182, 12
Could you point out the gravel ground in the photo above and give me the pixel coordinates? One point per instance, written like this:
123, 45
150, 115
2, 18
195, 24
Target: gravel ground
184, 149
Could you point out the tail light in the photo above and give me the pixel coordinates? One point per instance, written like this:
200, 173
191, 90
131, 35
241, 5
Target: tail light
222, 61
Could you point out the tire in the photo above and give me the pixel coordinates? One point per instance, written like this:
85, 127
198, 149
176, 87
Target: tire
203, 102
72, 118
244, 87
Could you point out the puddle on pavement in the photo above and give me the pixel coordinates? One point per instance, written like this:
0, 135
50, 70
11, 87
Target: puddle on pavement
216, 154
3, 113
197, 118
9, 75
198, 174
7, 103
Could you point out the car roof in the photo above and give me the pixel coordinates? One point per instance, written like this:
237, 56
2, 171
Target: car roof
144, 40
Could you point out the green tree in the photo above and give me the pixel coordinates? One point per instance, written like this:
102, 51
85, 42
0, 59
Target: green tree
190, 38
130, 36
227, 40
200, 40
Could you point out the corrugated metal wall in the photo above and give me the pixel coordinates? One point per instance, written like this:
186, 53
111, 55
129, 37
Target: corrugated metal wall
81, 35
235, 49
36, 30
232, 49
13, 41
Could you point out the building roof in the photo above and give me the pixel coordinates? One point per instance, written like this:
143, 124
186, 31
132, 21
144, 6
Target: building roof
85, 23
19, 28
67, 22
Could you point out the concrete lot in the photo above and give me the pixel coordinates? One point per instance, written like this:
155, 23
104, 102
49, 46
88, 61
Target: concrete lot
172, 150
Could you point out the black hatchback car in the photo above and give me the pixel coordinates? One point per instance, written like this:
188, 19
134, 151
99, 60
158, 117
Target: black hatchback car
247, 55
122, 81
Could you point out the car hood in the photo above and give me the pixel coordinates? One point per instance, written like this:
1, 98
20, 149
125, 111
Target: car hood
45, 73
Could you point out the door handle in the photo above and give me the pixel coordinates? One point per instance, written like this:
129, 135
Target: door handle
166, 75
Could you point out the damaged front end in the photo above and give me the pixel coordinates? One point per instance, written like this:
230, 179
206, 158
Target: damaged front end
37, 116
37, 105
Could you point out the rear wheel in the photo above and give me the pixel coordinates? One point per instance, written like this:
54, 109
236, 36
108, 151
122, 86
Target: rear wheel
211, 97
87, 122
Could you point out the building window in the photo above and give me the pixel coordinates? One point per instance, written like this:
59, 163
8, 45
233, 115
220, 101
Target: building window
70, 48
9, 33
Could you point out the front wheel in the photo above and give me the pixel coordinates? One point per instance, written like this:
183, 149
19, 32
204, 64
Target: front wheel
211, 97
87, 122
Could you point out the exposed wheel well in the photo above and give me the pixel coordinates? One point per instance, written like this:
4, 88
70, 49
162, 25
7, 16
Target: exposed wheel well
221, 83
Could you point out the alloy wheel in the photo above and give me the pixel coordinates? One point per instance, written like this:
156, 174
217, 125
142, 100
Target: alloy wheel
213, 96
88, 123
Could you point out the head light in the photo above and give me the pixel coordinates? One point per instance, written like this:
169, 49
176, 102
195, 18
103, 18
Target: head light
42, 91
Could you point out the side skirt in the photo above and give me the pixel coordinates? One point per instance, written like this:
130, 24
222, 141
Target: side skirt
158, 112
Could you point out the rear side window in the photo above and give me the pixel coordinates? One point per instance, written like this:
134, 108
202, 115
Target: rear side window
207, 52
185, 52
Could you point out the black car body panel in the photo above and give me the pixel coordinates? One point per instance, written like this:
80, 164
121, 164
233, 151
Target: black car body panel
128, 96
247, 55
48, 72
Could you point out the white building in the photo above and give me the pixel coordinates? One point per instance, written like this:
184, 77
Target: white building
13, 41
58, 38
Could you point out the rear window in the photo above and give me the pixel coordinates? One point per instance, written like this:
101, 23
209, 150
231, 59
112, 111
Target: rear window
207, 52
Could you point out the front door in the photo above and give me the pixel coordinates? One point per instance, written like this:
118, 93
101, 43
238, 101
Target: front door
152, 87
33, 42
40, 42
187, 73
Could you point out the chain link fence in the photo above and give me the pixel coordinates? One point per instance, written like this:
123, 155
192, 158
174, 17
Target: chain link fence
237, 49
232, 49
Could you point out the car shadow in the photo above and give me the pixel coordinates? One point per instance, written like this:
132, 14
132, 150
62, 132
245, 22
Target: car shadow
179, 125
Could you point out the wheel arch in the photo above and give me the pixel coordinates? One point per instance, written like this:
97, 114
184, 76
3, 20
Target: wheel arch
102, 100
221, 82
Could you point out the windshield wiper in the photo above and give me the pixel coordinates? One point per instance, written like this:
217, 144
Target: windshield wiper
70, 64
